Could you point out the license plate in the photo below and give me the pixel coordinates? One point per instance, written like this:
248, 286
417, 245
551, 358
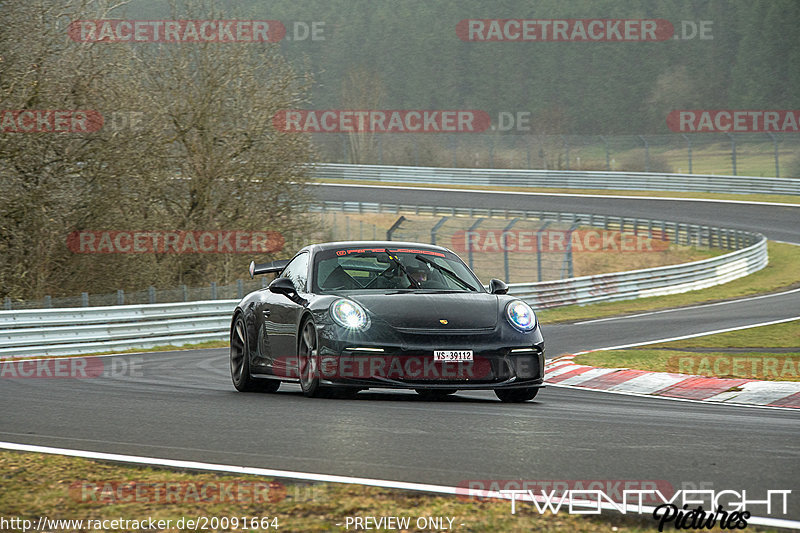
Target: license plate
452, 355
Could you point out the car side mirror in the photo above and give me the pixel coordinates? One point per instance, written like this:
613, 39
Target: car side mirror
498, 287
283, 286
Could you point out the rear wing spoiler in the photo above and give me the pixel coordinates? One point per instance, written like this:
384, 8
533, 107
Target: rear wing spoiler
267, 268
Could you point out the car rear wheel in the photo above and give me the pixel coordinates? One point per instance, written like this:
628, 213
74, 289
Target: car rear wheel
240, 362
435, 394
517, 395
308, 361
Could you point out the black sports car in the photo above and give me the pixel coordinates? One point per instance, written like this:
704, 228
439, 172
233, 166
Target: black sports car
346, 316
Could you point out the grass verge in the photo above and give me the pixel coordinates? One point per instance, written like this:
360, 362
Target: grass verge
164, 348
769, 353
61, 487
780, 274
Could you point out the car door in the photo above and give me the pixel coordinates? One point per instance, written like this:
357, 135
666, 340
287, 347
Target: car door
282, 314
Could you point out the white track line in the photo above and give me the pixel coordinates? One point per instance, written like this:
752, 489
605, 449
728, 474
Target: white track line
567, 195
693, 335
699, 306
244, 470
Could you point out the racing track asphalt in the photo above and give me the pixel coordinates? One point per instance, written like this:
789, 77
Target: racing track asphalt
181, 405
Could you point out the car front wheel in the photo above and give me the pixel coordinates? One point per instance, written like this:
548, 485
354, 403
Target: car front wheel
308, 361
240, 362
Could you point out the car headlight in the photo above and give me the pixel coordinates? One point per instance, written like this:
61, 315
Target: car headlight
520, 315
349, 314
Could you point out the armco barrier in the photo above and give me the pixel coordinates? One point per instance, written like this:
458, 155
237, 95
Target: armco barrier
43, 332
77, 330
566, 179
643, 283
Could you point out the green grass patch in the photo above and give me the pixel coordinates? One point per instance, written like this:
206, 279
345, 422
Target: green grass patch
61, 487
780, 274
785, 335
769, 353
770, 198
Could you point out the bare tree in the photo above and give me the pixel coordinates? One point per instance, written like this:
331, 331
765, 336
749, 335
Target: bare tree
187, 144
362, 89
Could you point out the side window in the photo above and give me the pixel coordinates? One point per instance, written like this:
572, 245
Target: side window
297, 271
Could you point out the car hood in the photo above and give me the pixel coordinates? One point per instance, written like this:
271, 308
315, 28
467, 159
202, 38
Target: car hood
463, 310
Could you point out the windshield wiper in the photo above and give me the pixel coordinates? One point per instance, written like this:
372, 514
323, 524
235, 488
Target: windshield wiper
446, 271
397, 262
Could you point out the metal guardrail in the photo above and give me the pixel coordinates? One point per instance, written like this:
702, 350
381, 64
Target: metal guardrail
657, 281
42, 332
78, 330
565, 179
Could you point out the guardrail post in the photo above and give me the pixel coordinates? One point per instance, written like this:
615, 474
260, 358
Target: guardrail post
151, 294
84, 299
566, 147
528, 153
48, 302
505, 247
539, 251
394, 227
213, 290
185, 292
775, 144
120, 297
689, 148
435, 229
239, 289
733, 152
608, 155
7, 303
646, 153
568, 254
469, 241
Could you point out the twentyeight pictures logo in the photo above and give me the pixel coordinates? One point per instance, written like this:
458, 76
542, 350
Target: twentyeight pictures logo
177, 31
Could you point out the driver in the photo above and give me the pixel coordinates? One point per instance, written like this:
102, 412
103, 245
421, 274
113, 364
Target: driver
420, 275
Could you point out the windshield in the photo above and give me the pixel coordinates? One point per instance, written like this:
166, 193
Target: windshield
383, 269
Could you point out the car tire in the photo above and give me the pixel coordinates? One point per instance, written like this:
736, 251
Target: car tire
516, 395
308, 361
240, 362
435, 394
